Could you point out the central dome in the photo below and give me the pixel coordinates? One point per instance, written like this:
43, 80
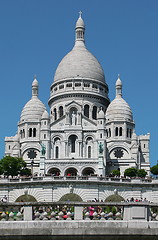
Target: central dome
79, 62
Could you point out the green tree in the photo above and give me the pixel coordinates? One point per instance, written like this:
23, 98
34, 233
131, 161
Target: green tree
154, 170
115, 172
25, 172
141, 173
12, 165
130, 172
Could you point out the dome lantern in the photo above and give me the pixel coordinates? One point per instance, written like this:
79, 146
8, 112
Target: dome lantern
80, 29
118, 87
35, 87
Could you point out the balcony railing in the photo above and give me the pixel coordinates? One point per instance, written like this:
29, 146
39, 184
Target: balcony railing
87, 211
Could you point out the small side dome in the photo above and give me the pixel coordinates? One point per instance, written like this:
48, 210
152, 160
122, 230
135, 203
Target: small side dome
101, 114
119, 109
45, 115
34, 108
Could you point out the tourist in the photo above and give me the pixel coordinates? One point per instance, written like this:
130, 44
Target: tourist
91, 211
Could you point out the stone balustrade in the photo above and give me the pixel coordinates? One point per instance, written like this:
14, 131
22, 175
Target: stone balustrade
80, 178
55, 211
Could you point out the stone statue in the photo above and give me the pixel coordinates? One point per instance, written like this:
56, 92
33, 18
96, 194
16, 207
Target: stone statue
73, 118
101, 148
43, 149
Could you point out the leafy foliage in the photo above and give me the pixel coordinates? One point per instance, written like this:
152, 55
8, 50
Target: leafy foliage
25, 172
130, 172
141, 173
115, 172
12, 166
154, 170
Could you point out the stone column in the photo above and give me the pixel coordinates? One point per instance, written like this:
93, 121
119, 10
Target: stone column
112, 130
27, 213
26, 130
78, 213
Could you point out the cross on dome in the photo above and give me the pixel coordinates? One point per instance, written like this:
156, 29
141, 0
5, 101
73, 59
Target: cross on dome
80, 13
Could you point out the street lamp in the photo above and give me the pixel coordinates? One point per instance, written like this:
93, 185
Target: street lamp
32, 163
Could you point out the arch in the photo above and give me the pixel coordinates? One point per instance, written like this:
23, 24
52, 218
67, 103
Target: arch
114, 198
56, 136
71, 197
88, 171
26, 198
30, 132
34, 132
72, 142
94, 112
54, 171
89, 139
71, 172
60, 111
86, 110
121, 145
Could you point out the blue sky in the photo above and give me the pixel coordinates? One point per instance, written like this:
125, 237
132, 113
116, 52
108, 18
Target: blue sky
123, 34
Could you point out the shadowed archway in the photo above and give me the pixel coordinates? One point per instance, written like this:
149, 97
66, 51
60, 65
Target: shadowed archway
26, 198
71, 197
114, 198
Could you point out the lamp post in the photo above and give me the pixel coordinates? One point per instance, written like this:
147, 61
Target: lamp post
32, 163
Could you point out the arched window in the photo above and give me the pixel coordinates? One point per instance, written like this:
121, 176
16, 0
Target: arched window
120, 131
109, 132
21, 133
130, 132
89, 151
116, 131
127, 132
72, 143
94, 112
86, 110
55, 114
60, 111
56, 152
34, 132
30, 132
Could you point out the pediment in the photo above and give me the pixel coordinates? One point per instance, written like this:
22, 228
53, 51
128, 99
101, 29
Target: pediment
59, 123
88, 123
73, 104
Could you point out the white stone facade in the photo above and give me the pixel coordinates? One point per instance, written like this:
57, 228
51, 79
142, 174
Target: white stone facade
84, 133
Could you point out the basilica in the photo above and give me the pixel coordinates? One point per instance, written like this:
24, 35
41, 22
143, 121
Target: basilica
83, 133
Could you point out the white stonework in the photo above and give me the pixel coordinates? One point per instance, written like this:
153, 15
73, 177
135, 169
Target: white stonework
84, 134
